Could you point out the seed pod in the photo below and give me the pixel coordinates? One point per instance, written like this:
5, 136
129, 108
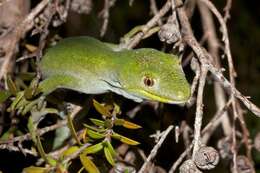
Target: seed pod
189, 167
170, 32
206, 158
244, 165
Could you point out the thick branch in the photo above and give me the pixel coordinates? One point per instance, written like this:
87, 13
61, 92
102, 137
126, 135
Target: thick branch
204, 58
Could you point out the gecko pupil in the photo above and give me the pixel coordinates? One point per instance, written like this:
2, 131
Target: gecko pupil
148, 81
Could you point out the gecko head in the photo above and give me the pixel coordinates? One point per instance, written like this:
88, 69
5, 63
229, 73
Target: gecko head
154, 75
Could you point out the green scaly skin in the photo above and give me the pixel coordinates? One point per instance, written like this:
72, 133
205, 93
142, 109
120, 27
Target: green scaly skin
90, 66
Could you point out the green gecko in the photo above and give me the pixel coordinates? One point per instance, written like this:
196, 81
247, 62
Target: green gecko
90, 66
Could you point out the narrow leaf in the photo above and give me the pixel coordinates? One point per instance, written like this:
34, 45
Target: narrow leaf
51, 161
38, 115
108, 123
110, 148
27, 76
117, 109
88, 164
119, 122
29, 106
17, 99
128, 141
32, 89
28, 93
125, 139
126, 124
95, 135
130, 125
8, 134
94, 148
4, 95
94, 128
22, 103
97, 122
109, 156
101, 109
70, 151
11, 85
34, 169
32, 129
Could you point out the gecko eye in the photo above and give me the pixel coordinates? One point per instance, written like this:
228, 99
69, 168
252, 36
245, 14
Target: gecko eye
148, 81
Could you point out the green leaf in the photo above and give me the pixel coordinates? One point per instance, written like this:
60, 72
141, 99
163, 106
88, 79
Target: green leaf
128, 141
101, 109
37, 115
9, 133
11, 85
28, 93
94, 148
126, 124
22, 103
4, 95
32, 129
32, 89
27, 76
34, 169
119, 122
29, 106
117, 109
88, 164
124, 139
109, 123
94, 128
97, 122
109, 156
51, 161
17, 99
130, 125
110, 148
70, 151
95, 135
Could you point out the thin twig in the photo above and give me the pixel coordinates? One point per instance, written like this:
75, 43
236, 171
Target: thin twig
180, 159
42, 131
210, 128
213, 44
155, 149
105, 15
196, 68
212, 125
234, 147
19, 32
225, 37
199, 111
154, 10
17, 149
227, 10
203, 57
151, 23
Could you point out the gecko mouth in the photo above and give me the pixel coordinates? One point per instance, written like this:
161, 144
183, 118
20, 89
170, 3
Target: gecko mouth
151, 96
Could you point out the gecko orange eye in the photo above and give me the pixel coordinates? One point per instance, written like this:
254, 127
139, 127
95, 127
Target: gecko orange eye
148, 81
